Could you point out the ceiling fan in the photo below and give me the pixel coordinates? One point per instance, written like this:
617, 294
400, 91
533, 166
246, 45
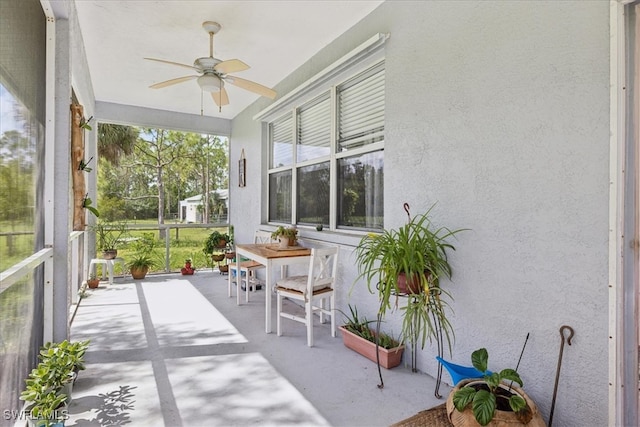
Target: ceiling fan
214, 73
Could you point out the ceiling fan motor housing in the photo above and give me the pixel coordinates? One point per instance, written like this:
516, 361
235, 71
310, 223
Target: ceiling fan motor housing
206, 64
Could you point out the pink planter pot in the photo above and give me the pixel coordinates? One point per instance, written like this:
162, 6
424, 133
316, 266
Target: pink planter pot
388, 358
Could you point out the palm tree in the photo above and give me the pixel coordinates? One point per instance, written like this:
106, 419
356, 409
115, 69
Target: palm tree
114, 141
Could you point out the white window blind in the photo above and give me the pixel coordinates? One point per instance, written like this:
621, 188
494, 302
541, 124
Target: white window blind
314, 129
361, 110
282, 142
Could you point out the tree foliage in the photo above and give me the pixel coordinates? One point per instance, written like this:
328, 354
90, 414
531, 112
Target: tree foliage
163, 168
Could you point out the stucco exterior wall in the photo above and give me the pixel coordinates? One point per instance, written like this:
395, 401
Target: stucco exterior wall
498, 111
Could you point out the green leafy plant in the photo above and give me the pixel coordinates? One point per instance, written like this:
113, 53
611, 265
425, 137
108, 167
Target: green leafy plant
144, 256
289, 232
484, 399
87, 203
44, 392
109, 234
84, 124
85, 166
141, 261
417, 254
361, 327
216, 240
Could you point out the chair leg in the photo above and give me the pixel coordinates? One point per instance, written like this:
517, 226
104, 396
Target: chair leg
278, 311
332, 303
246, 285
321, 309
309, 321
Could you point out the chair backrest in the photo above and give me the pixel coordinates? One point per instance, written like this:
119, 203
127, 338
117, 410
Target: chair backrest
261, 236
323, 266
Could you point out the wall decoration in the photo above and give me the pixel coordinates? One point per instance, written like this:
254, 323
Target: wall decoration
77, 159
242, 170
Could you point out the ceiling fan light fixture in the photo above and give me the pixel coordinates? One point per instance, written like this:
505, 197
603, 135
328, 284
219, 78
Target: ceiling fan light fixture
210, 83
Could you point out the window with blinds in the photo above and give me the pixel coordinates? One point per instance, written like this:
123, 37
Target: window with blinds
281, 134
361, 110
335, 174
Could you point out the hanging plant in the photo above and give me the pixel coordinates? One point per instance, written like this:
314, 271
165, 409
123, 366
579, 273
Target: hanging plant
85, 124
84, 166
86, 203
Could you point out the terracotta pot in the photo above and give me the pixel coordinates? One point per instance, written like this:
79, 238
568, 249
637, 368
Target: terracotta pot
412, 286
139, 273
110, 254
223, 268
500, 419
93, 283
388, 358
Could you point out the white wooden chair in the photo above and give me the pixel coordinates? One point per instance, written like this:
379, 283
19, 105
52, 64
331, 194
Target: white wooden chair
248, 268
313, 290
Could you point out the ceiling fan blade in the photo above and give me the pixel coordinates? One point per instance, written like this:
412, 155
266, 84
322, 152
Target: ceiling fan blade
231, 66
191, 67
220, 98
172, 82
251, 86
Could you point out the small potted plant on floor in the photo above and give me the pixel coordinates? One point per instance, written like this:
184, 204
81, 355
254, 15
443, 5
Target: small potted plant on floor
359, 337
143, 257
491, 400
187, 269
93, 281
48, 386
287, 236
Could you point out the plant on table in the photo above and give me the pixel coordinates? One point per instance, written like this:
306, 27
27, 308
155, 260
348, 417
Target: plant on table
288, 233
109, 236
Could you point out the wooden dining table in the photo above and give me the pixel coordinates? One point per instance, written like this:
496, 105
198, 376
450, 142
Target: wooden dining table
271, 256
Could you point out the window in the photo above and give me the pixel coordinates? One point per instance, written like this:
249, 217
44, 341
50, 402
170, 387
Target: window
327, 157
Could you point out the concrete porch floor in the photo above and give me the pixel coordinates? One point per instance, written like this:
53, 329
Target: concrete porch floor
175, 351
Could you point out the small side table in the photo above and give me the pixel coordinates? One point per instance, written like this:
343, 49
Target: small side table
108, 263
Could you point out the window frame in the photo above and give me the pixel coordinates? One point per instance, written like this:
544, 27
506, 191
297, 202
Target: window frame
332, 88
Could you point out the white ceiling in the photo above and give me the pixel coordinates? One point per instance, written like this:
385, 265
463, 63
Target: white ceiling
272, 37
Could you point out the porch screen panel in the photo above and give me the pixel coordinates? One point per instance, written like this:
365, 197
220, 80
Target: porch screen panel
22, 118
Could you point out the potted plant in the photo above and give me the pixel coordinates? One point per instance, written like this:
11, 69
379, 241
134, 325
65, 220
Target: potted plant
108, 237
359, 337
187, 269
143, 256
410, 261
139, 265
491, 400
287, 236
93, 281
216, 240
48, 386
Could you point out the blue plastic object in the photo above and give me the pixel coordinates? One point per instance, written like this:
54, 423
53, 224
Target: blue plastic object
459, 373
